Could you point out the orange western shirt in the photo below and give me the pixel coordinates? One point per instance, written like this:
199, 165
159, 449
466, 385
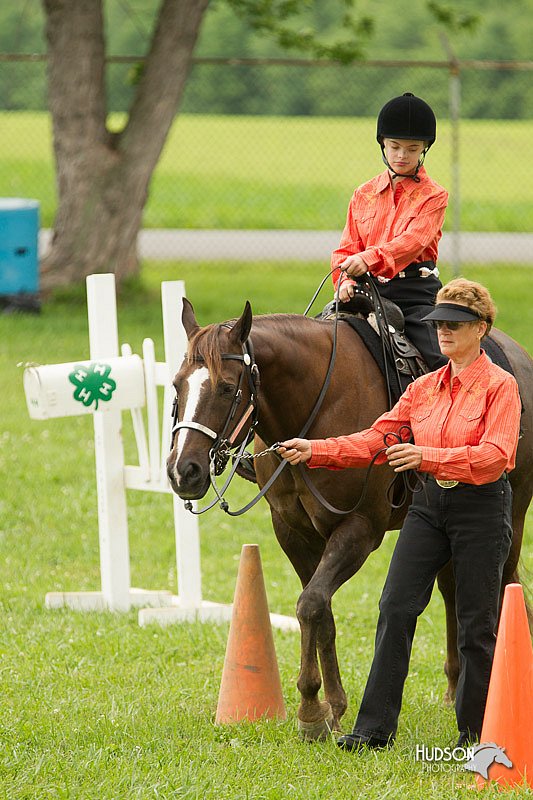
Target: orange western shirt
391, 233
467, 426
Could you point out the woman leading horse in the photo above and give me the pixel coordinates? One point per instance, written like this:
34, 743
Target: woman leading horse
465, 418
292, 354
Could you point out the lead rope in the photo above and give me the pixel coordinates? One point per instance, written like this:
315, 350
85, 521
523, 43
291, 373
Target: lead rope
408, 487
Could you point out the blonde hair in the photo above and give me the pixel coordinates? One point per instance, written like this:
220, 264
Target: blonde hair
470, 294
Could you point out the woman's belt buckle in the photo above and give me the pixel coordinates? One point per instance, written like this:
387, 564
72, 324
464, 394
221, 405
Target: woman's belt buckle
447, 484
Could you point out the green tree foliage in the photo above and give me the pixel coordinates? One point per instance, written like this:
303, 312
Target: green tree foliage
244, 29
22, 85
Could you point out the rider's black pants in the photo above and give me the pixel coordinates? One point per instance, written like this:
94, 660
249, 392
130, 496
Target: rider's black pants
416, 298
472, 526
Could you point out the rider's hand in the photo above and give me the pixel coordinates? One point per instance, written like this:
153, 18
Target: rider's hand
346, 291
402, 457
295, 451
354, 266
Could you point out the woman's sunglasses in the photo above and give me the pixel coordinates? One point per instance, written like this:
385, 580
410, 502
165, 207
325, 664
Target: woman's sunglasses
452, 326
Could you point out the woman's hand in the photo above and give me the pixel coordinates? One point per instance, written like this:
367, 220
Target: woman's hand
402, 457
295, 451
354, 266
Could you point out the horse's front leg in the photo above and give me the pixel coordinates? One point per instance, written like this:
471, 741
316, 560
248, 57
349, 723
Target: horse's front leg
345, 552
446, 584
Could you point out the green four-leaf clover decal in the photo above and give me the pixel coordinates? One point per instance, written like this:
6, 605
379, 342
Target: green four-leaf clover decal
92, 383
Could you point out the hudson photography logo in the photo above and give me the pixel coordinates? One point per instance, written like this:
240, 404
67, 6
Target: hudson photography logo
476, 758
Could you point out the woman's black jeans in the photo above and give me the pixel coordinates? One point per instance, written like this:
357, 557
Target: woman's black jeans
472, 526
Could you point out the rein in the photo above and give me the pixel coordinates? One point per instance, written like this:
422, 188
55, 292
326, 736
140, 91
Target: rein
310, 420
408, 488
222, 443
219, 460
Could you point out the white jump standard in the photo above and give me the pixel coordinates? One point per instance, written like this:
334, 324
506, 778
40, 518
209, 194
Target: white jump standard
106, 385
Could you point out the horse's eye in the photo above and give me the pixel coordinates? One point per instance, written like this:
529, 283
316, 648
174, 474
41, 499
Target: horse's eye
227, 390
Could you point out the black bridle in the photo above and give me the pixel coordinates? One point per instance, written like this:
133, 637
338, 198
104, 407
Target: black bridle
223, 442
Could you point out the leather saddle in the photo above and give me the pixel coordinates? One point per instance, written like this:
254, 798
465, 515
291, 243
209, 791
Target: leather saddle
387, 321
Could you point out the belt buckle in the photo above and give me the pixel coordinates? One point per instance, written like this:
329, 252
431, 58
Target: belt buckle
425, 272
447, 484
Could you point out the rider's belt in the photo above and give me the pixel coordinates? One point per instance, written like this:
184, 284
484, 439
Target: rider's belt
422, 269
453, 484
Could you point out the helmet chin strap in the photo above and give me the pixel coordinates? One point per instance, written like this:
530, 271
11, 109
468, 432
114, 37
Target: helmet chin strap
415, 177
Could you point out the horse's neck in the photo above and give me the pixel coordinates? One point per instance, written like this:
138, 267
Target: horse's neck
288, 345
290, 353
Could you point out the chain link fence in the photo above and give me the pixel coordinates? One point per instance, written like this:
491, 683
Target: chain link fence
264, 156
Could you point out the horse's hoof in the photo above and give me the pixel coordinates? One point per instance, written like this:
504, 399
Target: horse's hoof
317, 730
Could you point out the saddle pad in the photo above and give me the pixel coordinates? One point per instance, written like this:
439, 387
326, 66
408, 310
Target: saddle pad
496, 354
373, 344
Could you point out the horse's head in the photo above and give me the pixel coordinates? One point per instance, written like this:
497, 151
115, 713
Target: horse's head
502, 758
213, 394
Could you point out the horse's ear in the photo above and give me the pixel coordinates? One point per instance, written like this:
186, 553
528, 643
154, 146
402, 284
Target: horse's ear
241, 329
188, 319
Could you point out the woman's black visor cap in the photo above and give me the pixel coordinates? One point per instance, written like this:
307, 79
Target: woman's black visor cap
451, 312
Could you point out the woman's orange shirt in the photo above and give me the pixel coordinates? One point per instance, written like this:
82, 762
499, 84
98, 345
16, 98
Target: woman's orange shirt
467, 426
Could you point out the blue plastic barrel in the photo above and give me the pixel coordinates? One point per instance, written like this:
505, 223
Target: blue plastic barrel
19, 231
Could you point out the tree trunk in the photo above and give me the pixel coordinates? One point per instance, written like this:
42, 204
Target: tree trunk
103, 178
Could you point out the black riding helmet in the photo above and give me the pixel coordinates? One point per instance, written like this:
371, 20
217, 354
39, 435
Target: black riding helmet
407, 117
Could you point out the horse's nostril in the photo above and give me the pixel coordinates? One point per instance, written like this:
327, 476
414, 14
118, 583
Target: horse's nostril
191, 471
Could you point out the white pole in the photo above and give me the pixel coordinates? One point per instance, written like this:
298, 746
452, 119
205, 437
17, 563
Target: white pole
138, 426
152, 410
455, 113
185, 523
109, 452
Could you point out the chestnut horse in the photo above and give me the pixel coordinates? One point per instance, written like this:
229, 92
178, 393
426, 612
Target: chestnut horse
292, 354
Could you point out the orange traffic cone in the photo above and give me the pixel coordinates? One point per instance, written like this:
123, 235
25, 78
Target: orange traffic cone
509, 710
250, 686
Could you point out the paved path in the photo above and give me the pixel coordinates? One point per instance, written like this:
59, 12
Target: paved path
241, 245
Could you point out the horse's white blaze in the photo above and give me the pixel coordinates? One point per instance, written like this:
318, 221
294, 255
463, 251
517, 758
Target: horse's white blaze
195, 383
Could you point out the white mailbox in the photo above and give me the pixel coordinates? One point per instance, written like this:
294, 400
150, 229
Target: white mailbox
82, 387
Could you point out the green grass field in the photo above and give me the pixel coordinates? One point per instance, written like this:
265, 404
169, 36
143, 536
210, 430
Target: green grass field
95, 708
278, 172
